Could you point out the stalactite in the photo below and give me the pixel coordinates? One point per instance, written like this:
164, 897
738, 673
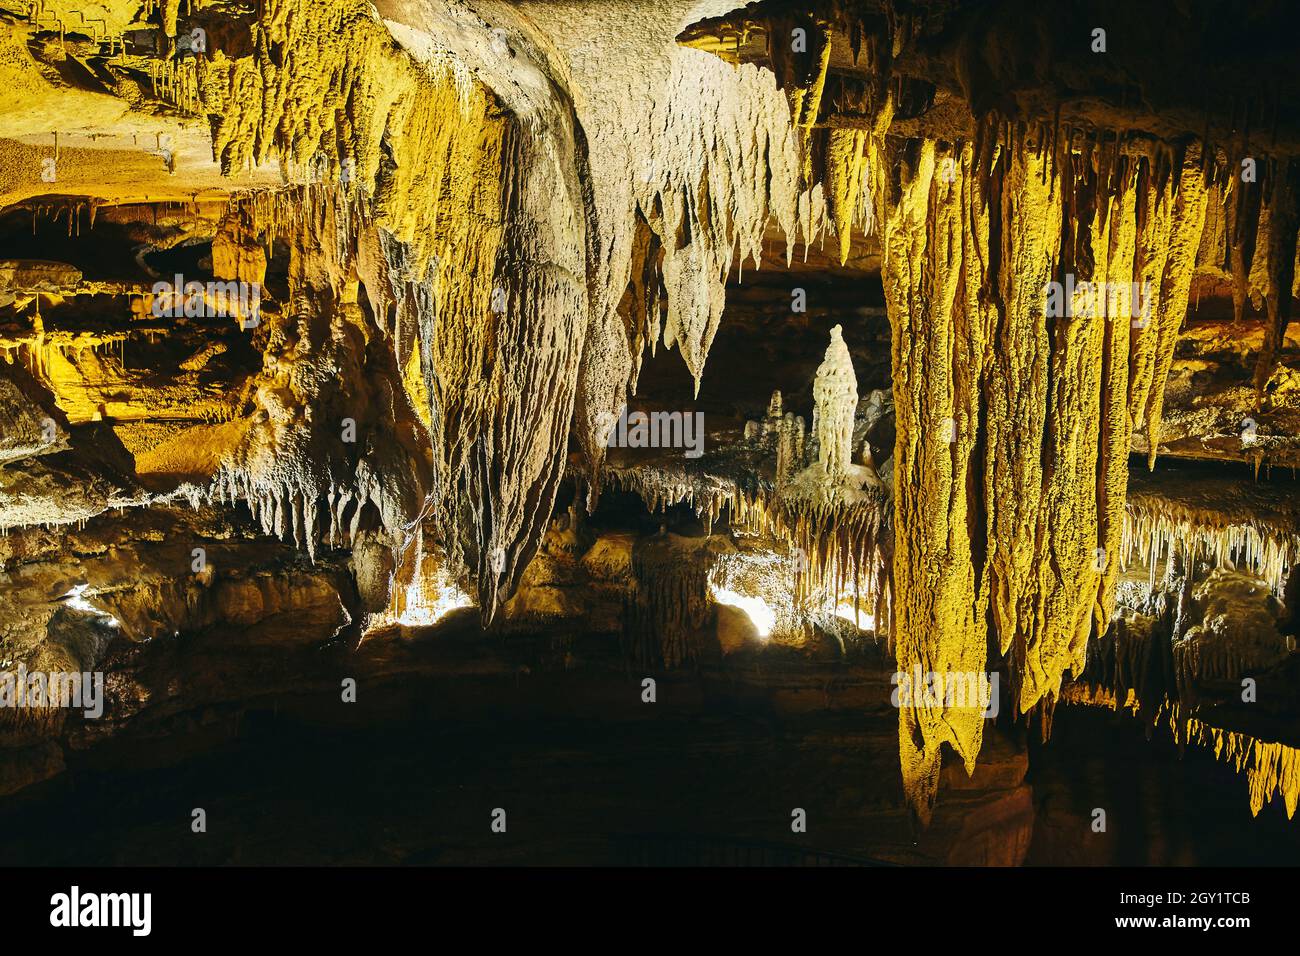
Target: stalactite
844, 547
1243, 207
1174, 252
352, 450
1154, 530
1154, 665
1283, 224
799, 47
752, 510
1033, 411
845, 550
1272, 768
938, 614
846, 157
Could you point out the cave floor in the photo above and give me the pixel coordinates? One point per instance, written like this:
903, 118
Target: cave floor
713, 781
575, 792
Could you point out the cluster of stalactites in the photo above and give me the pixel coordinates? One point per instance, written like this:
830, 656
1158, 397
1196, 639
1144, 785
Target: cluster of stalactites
292, 511
1261, 200
1272, 768
1153, 536
799, 49
841, 550
748, 511
992, 384
70, 211
474, 296
989, 388
318, 224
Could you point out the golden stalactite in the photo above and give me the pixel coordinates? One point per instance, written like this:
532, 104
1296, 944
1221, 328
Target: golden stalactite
1271, 768
1014, 426
1242, 201
799, 47
1028, 206
846, 157
1014, 411
938, 342
799, 52
303, 94
1154, 237
170, 14
1167, 243
1086, 440
1280, 255
443, 199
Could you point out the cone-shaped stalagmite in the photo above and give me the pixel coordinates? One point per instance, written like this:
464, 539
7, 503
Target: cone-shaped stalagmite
835, 390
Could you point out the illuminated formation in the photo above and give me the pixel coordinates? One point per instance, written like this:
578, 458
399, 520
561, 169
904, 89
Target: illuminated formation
835, 392
1014, 425
314, 317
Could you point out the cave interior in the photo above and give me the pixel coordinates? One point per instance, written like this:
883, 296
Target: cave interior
807, 431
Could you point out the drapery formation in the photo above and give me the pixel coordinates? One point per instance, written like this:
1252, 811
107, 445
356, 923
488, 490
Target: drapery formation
467, 237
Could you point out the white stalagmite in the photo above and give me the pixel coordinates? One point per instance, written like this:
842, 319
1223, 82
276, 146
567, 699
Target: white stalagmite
835, 392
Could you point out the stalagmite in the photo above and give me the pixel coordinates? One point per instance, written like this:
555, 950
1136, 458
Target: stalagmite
835, 391
789, 447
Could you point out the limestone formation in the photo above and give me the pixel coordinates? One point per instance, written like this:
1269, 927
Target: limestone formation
313, 316
835, 394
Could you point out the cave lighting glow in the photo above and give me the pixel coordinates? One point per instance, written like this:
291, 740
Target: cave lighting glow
76, 598
755, 608
847, 611
421, 612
